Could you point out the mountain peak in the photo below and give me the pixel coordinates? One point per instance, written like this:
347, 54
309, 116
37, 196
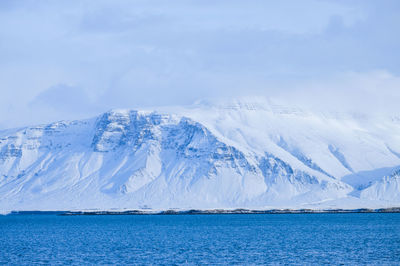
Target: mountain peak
247, 153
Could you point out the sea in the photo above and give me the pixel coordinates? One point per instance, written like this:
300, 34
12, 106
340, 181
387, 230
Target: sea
218, 239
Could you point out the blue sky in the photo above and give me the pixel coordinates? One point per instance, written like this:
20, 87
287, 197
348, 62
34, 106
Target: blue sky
74, 59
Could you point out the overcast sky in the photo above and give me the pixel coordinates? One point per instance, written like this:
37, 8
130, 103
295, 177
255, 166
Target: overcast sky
75, 59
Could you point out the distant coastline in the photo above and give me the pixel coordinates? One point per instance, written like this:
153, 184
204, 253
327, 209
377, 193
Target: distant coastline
206, 212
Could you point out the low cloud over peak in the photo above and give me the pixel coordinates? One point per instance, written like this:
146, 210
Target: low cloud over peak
333, 54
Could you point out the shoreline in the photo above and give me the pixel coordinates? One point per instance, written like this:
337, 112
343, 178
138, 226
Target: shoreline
206, 212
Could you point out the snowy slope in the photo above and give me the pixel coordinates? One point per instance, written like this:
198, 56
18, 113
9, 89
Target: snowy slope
251, 154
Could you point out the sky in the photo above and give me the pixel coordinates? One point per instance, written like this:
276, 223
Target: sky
75, 59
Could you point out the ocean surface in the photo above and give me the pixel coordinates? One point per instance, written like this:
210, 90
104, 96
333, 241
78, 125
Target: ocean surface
359, 238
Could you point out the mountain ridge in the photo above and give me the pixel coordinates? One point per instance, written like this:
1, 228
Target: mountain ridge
201, 157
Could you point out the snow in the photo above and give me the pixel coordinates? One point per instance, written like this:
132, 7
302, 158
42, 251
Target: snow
243, 153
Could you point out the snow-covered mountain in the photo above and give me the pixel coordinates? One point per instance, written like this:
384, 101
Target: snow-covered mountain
250, 154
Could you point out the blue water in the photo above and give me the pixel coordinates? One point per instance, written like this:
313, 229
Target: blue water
201, 239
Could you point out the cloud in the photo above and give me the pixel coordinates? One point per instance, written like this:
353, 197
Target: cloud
375, 92
63, 98
143, 53
61, 102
